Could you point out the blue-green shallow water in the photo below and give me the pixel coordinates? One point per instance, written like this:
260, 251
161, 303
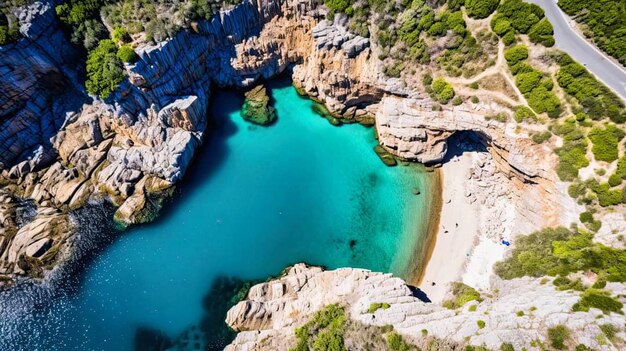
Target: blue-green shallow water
256, 200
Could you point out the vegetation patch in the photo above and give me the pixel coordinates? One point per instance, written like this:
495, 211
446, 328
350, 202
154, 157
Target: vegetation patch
605, 142
462, 295
602, 300
442, 90
375, 306
604, 21
558, 336
104, 69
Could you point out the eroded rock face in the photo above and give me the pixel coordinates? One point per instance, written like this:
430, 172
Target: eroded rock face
266, 320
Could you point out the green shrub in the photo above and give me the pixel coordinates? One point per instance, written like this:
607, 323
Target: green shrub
516, 54
542, 100
605, 142
104, 69
8, 34
507, 347
462, 295
472, 308
576, 190
615, 180
610, 330
120, 35
375, 306
528, 81
539, 138
521, 15
541, 32
442, 90
593, 298
474, 85
457, 101
586, 217
127, 54
396, 343
519, 313
480, 8
558, 335
474, 99
324, 331
500, 25
480, 323
337, 6
509, 38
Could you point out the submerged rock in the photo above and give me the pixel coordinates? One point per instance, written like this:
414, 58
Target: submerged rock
256, 108
385, 156
321, 110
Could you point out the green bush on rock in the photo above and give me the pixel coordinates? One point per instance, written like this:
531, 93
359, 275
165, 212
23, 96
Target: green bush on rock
127, 54
375, 306
605, 142
442, 90
558, 335
462, 295
104, 69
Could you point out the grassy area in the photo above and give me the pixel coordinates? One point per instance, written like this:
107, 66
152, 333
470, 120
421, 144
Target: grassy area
375, 306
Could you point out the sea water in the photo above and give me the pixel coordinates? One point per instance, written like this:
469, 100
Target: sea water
255, 200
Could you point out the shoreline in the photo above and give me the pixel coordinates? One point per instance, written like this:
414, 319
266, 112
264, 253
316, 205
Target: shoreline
424, 251
453, 234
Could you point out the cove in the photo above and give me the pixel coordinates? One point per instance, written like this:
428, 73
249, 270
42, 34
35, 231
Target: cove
255, 200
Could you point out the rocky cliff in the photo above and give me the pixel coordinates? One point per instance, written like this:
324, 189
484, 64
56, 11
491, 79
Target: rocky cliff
271, 312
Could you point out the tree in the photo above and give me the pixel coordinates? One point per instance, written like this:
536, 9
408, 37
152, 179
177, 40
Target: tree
528, 81
443, 90
481, 8
516, 54
126, 54
542, 32
104, 69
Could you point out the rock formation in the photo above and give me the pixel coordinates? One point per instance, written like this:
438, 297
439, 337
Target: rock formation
256, 107
272, 310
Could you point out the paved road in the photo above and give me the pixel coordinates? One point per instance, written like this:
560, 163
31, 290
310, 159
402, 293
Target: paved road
610, 73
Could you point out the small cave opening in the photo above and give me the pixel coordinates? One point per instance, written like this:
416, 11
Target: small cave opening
463, 141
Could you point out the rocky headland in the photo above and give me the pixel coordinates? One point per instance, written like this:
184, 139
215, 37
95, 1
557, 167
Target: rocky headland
61, 148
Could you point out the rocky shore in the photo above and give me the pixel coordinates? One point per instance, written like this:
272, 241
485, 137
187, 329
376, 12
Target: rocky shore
61, 149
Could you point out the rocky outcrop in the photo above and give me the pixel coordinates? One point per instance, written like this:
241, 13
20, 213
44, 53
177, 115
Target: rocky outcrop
256, 108
266, 320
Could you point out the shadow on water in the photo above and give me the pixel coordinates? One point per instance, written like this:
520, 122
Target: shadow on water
213, 151
211, 333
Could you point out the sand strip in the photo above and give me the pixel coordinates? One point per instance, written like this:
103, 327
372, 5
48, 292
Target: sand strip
457, 231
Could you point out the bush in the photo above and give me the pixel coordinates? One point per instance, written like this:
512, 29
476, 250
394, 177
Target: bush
507, 347
610, 330
120, 35
8, 34
474, 99
462, 295
337, 6
375, 306
480, 323
509, 38
443, 90
605, 142
396, 343
541, 32
521, 15
539, 138
542, 100
127, 54
104, 69
516, 54
593, 298
326, 328
480, 8
558, 335
528, 81
586, 217
615, 180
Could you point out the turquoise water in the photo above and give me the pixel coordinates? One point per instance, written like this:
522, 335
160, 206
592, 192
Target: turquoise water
256, 200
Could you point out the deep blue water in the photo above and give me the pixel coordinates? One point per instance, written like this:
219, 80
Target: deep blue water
256, 200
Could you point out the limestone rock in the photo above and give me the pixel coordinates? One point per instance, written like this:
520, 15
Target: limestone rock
256, 108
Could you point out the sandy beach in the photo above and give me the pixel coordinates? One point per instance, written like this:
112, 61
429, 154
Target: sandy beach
457, 231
